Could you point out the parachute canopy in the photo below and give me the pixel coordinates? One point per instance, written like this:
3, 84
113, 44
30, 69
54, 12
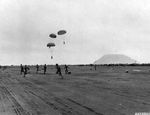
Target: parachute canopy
61, 32
50, 45
52, 35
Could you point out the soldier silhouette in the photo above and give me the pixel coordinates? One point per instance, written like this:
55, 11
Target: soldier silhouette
58, 71
37, 68
45, 68
21, 69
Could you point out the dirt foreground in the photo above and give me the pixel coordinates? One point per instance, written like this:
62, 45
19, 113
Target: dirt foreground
106, 91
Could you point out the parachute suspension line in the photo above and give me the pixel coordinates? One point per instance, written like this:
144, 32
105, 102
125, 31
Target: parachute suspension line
51, 51
62, 33
51, 46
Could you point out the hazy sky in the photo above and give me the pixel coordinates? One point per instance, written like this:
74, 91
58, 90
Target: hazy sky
94, 28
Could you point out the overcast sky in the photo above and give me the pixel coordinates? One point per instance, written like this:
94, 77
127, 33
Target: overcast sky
94, 28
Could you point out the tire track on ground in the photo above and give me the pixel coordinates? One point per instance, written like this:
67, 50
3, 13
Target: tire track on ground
59, 104
17, 108
88, 108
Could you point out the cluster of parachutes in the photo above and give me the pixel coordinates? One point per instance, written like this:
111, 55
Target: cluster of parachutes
53, 36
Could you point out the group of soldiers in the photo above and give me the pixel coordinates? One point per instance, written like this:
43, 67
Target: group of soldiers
44, 68
26, 69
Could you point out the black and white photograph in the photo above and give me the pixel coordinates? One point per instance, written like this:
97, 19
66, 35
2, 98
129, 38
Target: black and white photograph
74, 57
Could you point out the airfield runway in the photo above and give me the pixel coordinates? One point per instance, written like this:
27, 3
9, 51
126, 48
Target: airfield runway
106, 91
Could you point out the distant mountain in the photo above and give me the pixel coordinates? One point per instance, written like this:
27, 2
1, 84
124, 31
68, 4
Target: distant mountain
115, 59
